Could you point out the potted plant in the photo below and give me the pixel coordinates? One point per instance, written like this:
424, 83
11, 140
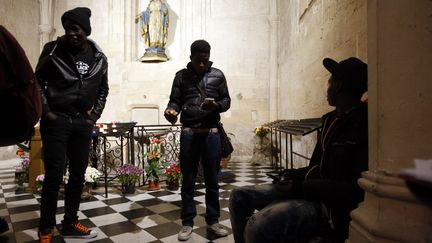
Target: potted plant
90, 177
39, 182
262, 151
22, 170
153, 168
173, 175
153, 171
128, 176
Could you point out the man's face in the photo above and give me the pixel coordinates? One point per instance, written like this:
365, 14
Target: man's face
200, 61
332, 91
76, 37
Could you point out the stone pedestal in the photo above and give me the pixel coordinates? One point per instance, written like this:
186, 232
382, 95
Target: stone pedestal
36, 164
390, 213
261, 152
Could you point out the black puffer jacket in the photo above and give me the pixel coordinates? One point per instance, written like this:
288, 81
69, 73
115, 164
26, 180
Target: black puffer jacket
63, 89
336, 165
186, 98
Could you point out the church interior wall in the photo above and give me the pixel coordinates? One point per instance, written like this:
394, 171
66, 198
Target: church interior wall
238, 31
240, 34
311, 30
19, 17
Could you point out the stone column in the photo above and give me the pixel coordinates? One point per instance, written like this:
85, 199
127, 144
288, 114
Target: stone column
46, 8
400, 118
274, 40
131, 31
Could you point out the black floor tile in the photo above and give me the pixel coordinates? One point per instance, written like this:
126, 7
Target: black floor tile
119, 228
106, 240
136, 213
24, 209
172, 215
115, 201
98, 211
28, 224
149, 202
164, 230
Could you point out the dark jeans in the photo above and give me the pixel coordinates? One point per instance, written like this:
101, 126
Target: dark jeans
64, 138
196, 147
276, 221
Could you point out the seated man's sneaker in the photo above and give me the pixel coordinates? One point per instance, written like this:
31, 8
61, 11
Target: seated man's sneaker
49, 236
77, 230
217, 229
185, 233
3, 225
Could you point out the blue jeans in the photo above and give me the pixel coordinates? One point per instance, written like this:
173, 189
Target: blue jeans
276, 221
196, 147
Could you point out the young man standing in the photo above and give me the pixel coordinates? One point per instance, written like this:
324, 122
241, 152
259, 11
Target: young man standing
199, 92
72, 72
314, 201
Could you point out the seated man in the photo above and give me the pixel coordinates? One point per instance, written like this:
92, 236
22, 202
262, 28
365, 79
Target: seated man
315, 200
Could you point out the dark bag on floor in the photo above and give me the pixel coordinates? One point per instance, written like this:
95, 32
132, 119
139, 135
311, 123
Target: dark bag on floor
20, 102
226, 145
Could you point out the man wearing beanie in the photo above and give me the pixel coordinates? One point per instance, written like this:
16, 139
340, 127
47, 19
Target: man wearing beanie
72, 72
312, 204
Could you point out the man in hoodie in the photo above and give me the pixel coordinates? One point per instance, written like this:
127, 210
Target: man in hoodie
314, 201
199, 92
73, 77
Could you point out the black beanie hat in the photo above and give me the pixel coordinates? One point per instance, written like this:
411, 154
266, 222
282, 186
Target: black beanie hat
80, 16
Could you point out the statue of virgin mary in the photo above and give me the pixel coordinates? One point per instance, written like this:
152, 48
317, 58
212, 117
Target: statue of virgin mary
154, 31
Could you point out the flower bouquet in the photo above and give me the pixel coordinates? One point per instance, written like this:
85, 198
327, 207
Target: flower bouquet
91, 175
262, 131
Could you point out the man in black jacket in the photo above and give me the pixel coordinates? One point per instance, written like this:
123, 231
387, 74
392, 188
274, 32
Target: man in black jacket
315, 200
72, 73
199, 92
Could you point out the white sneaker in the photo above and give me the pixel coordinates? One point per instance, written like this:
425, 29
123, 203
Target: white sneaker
185, 233
217, 229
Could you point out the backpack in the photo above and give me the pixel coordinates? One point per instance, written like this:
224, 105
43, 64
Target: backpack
20, 102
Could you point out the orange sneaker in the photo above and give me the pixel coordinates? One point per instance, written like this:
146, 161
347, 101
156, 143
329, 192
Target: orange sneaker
77, 230
48, 236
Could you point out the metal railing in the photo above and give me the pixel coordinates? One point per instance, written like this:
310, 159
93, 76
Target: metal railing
113, 149
281, 139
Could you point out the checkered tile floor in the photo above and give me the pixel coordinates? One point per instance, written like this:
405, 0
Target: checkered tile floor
143, 217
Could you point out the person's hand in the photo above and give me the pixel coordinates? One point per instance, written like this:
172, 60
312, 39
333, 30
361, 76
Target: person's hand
291, 174
50, 116
209, 105
90, 122
171, 115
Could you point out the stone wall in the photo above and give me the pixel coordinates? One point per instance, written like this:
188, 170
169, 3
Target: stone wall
20, 17
311, 30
